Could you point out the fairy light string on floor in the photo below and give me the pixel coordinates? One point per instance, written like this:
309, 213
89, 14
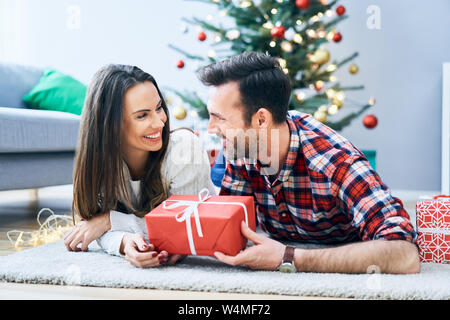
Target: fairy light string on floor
51, 230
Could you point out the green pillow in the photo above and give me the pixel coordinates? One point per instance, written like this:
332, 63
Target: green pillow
58, 92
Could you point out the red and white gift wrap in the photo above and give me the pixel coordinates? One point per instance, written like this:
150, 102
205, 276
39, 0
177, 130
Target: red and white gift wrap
433, 227
201, 225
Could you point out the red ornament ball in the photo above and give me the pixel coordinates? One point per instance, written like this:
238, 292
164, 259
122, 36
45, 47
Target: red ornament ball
370, 121
337, 37
278, 32
302, 4
340, 10
201, 36
180, 64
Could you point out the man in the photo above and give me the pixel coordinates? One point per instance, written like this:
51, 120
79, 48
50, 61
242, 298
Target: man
309, 183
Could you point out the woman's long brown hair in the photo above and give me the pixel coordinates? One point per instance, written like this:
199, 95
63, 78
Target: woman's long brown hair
98, 177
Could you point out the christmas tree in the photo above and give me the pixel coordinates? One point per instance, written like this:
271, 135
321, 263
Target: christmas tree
294, 31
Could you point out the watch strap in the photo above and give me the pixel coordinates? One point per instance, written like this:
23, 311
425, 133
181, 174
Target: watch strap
288, 254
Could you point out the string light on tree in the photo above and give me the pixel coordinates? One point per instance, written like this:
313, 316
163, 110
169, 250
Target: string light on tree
319, 85
311, 33
331, 68
268, 25
297, 38
321, 33
331, 93
286, 46
246, 3
330, 35
300, 96
232, 34
211, 53
329, 13
333, 109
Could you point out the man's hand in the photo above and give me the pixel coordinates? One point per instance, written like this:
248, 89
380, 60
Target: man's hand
86, 231
266, 254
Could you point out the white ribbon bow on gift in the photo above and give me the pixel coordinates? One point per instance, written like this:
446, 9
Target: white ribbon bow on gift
192, 208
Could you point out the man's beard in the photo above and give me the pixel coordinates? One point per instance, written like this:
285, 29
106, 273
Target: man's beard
240, 146
248, 145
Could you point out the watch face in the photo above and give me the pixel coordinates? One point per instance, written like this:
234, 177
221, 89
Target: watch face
287, 268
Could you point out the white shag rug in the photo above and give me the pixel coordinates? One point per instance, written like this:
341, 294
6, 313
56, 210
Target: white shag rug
53, 264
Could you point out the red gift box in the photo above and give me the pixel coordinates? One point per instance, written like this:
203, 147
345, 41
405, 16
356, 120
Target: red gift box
433, 227
200, 225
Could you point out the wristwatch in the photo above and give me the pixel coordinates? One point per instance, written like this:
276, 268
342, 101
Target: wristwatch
287, 265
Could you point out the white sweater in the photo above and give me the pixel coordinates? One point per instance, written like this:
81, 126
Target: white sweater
185, 170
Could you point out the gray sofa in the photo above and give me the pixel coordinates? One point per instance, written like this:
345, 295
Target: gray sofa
37, 147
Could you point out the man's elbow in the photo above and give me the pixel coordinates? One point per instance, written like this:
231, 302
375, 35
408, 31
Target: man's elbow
412, 261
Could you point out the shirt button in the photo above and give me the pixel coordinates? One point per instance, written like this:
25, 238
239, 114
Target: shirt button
293, 234
284, 215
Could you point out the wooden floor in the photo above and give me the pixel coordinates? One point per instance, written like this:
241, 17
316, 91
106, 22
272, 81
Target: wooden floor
18, 210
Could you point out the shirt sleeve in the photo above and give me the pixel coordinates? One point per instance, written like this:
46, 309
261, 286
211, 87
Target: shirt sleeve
187, 168
235, 182
121, 223
127, 222
374, 211
110, 242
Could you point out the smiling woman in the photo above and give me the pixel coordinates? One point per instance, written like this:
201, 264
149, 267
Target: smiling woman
125, 164
111, 133
144, 119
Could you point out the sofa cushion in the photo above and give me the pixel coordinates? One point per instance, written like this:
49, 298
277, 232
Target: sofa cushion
35, 170
27, 130
15, 82
58, 92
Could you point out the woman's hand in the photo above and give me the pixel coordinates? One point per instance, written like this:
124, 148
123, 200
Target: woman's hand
87, 231
143, 255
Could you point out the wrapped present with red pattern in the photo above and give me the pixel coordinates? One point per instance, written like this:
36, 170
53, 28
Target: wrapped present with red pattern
200, 224
433, 227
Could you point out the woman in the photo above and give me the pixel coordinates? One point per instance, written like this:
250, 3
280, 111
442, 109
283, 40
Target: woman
127, 162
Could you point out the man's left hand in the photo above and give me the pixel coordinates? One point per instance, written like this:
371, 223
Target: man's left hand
265, 254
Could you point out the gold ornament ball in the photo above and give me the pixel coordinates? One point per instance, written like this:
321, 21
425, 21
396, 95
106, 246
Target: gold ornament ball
179, 112
337, 102
321, 56
320, 116
353, 69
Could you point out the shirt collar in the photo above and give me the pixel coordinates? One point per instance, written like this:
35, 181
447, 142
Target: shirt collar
294, 145
291, 157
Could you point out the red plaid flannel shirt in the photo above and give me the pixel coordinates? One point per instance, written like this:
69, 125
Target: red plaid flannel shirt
326, 192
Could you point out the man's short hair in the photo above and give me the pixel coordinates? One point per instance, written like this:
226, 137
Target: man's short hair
262, 82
